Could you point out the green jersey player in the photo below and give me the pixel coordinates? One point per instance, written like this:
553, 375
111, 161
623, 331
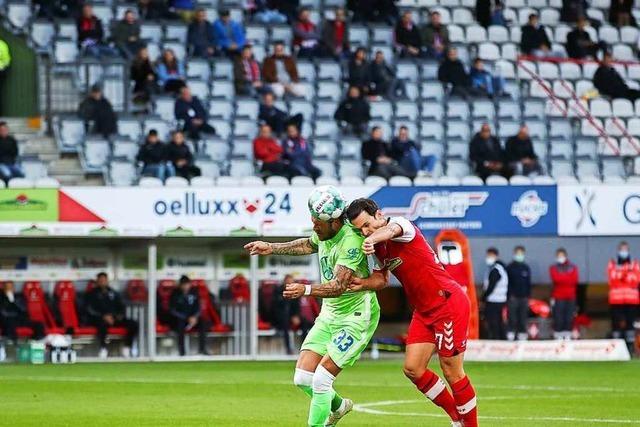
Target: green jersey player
347, 320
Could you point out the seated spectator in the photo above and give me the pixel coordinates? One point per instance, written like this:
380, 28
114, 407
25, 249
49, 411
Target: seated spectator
91, 34
144, 76
620, 13
153, 10
285, 312
277, 119
579, 43
535, 41
378, 153
360, 71
229, 34
352, 114
497, 16
435, 37
105, 309
190, 111
126, 35
184, 310
306, 35
13, 314
97, 109
266, 12
267, 150
201, 40
281, 72
298, 153
383, 78
183, 8
154, 157
170, 72
407, 37
407, 153
335, 35
367, 11
610, 83
9, 167
246, 73
453, 74
181, 157
56, 9
483, 12
485, 153
572, 10
483, 81
521, 158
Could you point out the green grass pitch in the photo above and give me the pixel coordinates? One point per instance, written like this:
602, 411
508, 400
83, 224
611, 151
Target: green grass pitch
262, 394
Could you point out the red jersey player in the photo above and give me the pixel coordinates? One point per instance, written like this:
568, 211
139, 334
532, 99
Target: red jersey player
441, 307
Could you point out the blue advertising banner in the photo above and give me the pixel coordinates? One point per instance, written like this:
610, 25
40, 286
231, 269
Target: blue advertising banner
475, 210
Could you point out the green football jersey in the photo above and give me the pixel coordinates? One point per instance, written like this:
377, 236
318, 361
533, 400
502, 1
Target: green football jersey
345, 248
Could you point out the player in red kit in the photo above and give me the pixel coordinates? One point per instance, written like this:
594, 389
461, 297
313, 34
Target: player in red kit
441, 307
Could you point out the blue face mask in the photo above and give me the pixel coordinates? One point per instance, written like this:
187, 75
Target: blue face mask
519, 257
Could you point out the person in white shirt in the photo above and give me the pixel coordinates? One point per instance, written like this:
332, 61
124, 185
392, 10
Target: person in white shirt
495, 286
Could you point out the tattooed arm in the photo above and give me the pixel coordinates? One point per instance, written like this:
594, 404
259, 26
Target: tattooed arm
334, 288
302, 246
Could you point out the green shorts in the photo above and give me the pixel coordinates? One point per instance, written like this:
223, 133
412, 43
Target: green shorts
342, 338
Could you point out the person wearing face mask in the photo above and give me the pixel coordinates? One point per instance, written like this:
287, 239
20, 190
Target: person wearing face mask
495, 286
518, 294
624, 296
564, 278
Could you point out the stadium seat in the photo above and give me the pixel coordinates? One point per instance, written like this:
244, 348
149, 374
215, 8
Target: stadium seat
517, 180
329, 91
228, 181
281, 33
251, 181
358, 36
327, 149
543, 180
150, 182
489, 51
600, 108
476, 34
37, 308
202, 182
176, 182
240, 168
71, 133
96, 153
329, 180
381, 110
498, 34
375, 181
208, 168
121, 173
448, 181
47, 182
457, 168
65, 298
400, 181
424, 181
301, 181
18, 14
471, 180
327, 167
20, 183
561, 150
42, 34
242, 149
381, 34
408, 71
561, 168
586, 148
277, 181
130, 127
351, 181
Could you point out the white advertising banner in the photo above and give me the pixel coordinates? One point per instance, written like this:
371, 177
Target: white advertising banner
597, 210
547, 351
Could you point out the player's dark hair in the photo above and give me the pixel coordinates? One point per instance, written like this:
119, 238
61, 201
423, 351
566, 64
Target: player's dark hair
356, 207
184, 279
493, 251
563, 250
101, 274
519, 248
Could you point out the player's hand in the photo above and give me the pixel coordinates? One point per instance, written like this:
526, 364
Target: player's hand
259, 248
368, 246
293, 290
356, 285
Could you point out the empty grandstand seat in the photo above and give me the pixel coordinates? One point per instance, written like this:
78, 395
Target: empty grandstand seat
176, 182
65, 297
37, 308
489, 51
498, 34
328, 180
381, 110
375, 181
519, 180
400, 181
496, 180
600, 108
121, 173
358, 36
457, 168
560, 168
222, 90
96, 154
277, 181
240, 168
476, 34
150, 182
449, 180
18, 14
70, 133
302, 181
353, 181
42, 33
20, 183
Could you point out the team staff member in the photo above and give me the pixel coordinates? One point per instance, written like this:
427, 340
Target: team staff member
624, 296
495, 286
564, 277
184, 309
518, 295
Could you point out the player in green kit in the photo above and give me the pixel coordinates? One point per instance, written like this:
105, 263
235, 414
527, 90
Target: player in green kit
347, 320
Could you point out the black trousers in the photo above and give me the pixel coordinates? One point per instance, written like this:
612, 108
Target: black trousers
179, 326
563, 312
493, 316
10, 325
622, 318
518, 314
103, 329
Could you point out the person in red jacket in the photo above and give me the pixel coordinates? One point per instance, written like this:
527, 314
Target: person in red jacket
267, 150
624, 295
564, 277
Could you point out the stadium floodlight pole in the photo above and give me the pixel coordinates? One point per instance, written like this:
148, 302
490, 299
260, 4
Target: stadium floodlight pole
152, 257
253, 308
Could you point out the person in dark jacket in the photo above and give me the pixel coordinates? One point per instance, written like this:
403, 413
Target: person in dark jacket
285, 312
360, 71
407, 37
579, 43
267, 150
9, 167
407, 153
91, 34
13, 314
610, 83
126, 35
335, 35
484, 82
453, 74
181, 157
495, 286
144, 77
518, 294
97, 109
486, 153
153, 155
367, 11
378, 153
572, 10
520, 157
352, 114
564, 278
383, 78
306, 35
276, 118
297, 153
154, 10
184, 310
435, 37
483, 12
534, 39
190, 111
200, 36
620, 13
247, 78
105, 310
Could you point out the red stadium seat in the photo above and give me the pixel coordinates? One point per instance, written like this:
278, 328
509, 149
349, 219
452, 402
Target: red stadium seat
209, 313
165, 289
137, 291
65, 293
37, 307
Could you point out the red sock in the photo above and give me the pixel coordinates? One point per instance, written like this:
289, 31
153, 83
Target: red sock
465, 397
435, 390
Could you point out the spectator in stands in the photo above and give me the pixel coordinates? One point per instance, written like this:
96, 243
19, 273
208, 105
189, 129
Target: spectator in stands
13, 314
190, 111
519, 153
170, 72
9, 167
267, 12
359, 71
383, 78
154, 157
495, 287
579, 43
184, 309
378, 152
572, 10
98, 110
353, 114
406, 152
610, 83
486, 153
91, 34
483, 12
534, 39
183, 8
144, 76
153, 10
181, 157
306, 35
519, 292
497, 16
246, 73
52, 9
620, 13
435, 37
267, 150
407, 37
335, 35
281, 72
453, 75
229, 34
564, 279
277, 119
201, 41
484, 82
367, 11
298, 153
126, 35
285, 312
106, 310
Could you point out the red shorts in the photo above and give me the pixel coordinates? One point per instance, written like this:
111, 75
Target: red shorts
446, 326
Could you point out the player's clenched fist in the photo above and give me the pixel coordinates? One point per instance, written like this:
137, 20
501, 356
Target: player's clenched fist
293, 290
259, 248
356, 285
368, 246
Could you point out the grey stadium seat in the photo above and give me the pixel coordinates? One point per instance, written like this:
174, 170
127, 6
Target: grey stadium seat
240, 168
121, 173
71, 132
125, 148
96, 154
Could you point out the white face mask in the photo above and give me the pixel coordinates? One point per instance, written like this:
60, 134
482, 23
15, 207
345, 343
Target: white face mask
561, 259
623, 254
518, 257
490, 260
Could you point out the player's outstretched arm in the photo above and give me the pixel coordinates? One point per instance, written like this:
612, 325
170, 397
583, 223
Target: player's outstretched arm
382, 234
334, 288
302, 246
379, 279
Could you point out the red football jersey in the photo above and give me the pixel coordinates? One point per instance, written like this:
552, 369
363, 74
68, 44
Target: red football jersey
410, 258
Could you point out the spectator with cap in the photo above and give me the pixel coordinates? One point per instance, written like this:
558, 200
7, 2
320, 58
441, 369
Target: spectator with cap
170, 71
9, 166
185, 313
297, 152
485, 153
192, 114
609, 82
519, 153
281, 72
13, 314
181, 157
383, 78
378, 153
454, 76
97, 109
353, 113
267, 150
494, 298
579, 43
246, 73
407, 37
485, 82
91, 34
277, 119
201, 39
154, 157
518, 295
406, 152
435, 37
564, 278
126, 35
144, 76
306, 35
360, 71
229, 34
335, 35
